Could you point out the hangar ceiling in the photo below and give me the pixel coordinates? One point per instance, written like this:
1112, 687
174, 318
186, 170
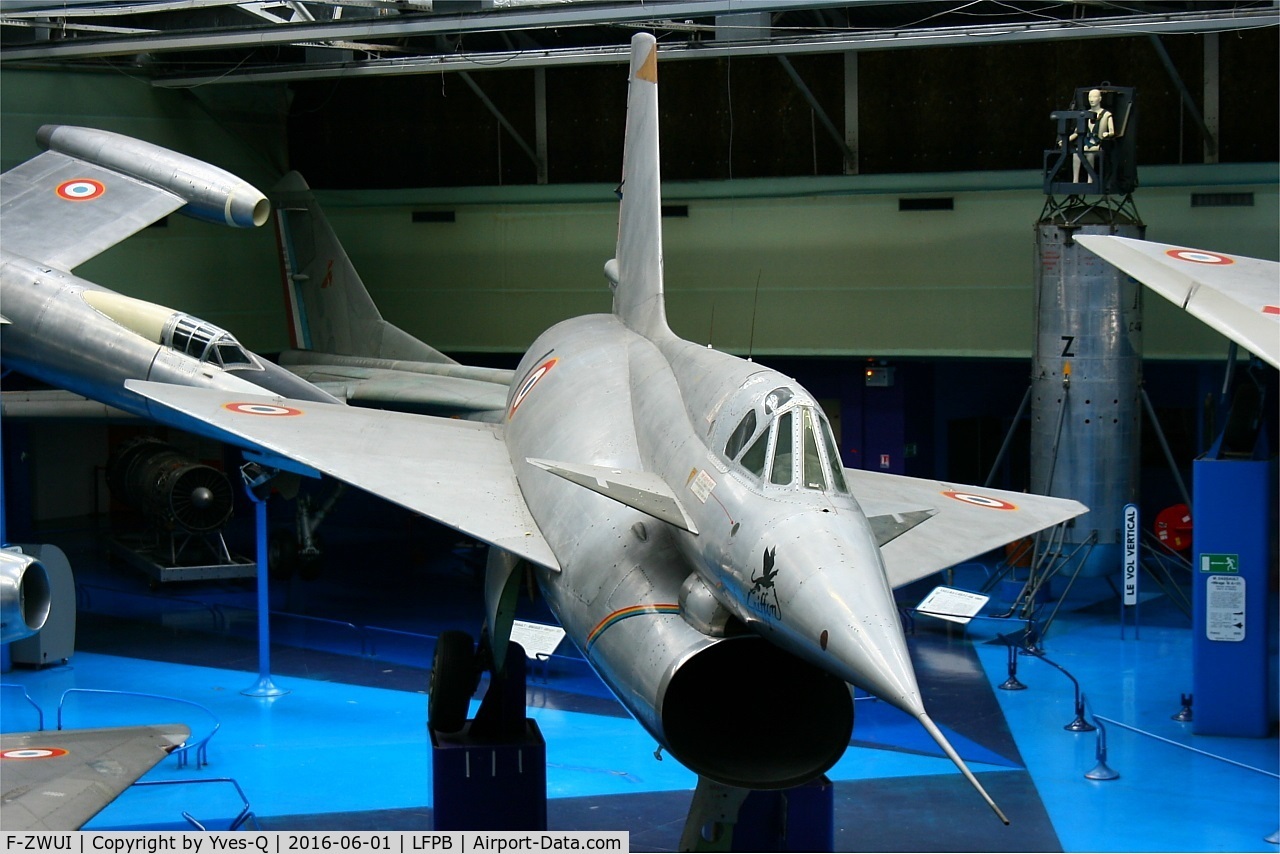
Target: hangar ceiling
185, 43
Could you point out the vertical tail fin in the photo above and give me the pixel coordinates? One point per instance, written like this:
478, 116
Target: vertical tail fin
637, 269
329, 308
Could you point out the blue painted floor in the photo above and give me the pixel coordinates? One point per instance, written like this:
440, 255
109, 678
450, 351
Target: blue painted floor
346, 748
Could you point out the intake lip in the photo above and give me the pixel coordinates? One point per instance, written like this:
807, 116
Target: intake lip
746, 713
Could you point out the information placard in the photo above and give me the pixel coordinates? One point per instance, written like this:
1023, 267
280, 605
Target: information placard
1224, 608
952, 604
536, 638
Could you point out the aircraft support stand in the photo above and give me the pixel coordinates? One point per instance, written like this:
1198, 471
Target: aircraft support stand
255, 482
726, 818
497, 758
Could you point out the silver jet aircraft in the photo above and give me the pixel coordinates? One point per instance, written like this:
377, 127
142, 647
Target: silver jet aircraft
88, 191
686, 513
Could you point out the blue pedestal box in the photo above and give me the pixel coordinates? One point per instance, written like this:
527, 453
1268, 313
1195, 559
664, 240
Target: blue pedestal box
480, 785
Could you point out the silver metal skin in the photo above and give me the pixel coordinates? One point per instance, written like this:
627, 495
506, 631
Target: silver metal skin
57, 336
685, 511
92, 768
790, 555
90, 190
210, 194
1086, 388
1234, 294
24, 596
342, 342
625, 612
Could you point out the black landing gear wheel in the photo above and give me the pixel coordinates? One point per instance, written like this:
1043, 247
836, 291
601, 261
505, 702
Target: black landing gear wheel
454, 679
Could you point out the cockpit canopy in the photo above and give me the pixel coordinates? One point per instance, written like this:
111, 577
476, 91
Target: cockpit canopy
205, 342
785, 440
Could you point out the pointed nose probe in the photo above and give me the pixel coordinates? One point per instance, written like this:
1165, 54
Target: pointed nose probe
880, 664
868, 648
890, 676
909, 701
932, 728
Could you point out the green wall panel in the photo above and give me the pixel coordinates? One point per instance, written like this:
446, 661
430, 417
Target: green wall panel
844, 272
786, 266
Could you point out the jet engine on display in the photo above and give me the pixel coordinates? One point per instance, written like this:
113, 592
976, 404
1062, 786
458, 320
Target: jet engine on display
169, 487
24, 595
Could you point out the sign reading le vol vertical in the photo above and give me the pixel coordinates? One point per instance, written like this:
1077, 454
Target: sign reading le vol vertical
1130, 554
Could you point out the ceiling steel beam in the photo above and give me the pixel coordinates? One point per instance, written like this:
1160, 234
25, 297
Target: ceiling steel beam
850, 159
1131, 26
518, 18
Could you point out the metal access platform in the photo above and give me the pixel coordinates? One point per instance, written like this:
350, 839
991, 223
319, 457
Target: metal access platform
182, 557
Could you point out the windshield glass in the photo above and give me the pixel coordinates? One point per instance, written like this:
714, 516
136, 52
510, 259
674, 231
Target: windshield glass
833, 455
791, 446
814, 476
745, 429
780, 472
205, 342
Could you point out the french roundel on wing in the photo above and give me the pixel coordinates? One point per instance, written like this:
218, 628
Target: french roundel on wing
529, 382
80, 189
980, 500
33, 753
1199, 256
266, 409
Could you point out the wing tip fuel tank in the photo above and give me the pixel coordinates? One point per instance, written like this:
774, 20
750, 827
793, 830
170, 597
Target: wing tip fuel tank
211, 193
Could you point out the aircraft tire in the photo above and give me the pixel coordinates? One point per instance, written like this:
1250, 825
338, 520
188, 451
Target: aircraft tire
282, 554
454, 679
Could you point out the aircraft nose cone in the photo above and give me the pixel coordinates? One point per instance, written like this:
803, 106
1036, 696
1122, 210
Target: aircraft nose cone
819, 585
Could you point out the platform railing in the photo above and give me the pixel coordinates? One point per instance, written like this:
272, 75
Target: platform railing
245, 815
200, 746
87, 594
7, 686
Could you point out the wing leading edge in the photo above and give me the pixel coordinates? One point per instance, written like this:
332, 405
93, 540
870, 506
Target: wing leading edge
1236, 295
456, 472
59, 780
951, 522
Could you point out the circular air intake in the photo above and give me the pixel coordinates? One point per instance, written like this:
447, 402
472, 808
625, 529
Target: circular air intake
746, 713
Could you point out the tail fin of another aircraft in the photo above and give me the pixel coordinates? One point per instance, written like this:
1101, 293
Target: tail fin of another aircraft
330, 310
636, 272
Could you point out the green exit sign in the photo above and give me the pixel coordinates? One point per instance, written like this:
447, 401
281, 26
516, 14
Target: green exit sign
1219, 563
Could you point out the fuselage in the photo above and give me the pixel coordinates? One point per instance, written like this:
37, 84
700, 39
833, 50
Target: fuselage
79, 336
781, 550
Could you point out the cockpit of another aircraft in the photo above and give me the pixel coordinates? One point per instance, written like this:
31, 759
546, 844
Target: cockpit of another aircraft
205, 342
783, 439
176, 330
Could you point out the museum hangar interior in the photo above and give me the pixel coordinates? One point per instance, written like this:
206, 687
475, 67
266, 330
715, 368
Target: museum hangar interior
872, 198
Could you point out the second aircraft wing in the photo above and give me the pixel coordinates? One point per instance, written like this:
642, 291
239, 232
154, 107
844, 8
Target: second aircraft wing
1236, 295
456, 472
59, 780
